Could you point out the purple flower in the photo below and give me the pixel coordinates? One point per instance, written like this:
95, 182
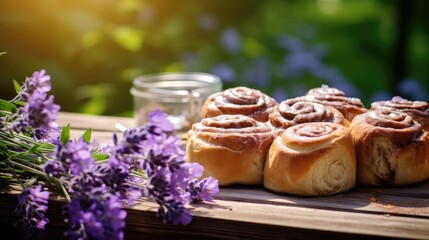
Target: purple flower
100, 214
169, 176
174, 211
53, 168
116, 177
31, 208
203, 190
159, 118
380, 96
75, 156
412, 88
161, 156
230, 40
42, 114
225, 72
38, 116
259, 72
180, 178
280, 94
39, 82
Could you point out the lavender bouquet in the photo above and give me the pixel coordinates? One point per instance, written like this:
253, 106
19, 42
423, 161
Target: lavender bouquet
98, 182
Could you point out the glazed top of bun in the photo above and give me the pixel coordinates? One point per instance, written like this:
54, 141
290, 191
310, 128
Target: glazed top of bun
399, 126
295, 111
330, 94
417, 109
239, 100
234, 131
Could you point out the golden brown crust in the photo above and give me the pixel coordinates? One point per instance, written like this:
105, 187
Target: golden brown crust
293, 111
231, 148
391, 148
239, 100
311, 159
349, 107
419, 110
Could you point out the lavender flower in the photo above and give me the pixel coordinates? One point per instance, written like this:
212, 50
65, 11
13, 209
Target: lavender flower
39, 82
174, 211
230, 40
169, 177
38, 116
225, 72
280, 94
31, 208
159, 119
203, 190
412, 88
75, 156
116, 177
53, 169
259, 72
100, 214
42, 114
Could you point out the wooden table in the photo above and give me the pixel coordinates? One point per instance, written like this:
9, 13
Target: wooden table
255, 213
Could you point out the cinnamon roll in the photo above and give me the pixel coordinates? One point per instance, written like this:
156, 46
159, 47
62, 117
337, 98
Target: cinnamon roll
231, 148
239, 100
294, 111
349, 107
419, 110
391, 148
311, 159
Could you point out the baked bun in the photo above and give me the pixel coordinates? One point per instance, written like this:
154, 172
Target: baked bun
349, 107
231, 148
311, 159
239, 100
391, 148
293, 111
419, 110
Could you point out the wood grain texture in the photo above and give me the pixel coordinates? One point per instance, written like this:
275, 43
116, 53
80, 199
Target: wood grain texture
84, 121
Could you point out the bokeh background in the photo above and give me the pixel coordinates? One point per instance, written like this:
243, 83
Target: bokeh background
92, 49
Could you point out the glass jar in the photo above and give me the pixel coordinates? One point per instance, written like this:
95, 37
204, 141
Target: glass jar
181, 95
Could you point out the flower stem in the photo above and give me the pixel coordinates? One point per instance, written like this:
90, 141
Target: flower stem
40, 173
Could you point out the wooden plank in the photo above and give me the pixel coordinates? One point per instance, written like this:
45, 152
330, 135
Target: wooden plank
101, 137
356, 200
102, 123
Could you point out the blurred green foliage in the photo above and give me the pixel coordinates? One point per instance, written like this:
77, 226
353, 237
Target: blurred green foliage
93, 49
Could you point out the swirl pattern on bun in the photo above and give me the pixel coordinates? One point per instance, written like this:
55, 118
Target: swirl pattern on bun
419, 110
239, 100
294, 111
349, 107
311, 159
231, 148
391, 148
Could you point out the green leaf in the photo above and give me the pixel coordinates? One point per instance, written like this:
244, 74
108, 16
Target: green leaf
17, 86
100, 156
87, 135
38, 145
35, 147
4, 152
19, 103
65, 134
7, 106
